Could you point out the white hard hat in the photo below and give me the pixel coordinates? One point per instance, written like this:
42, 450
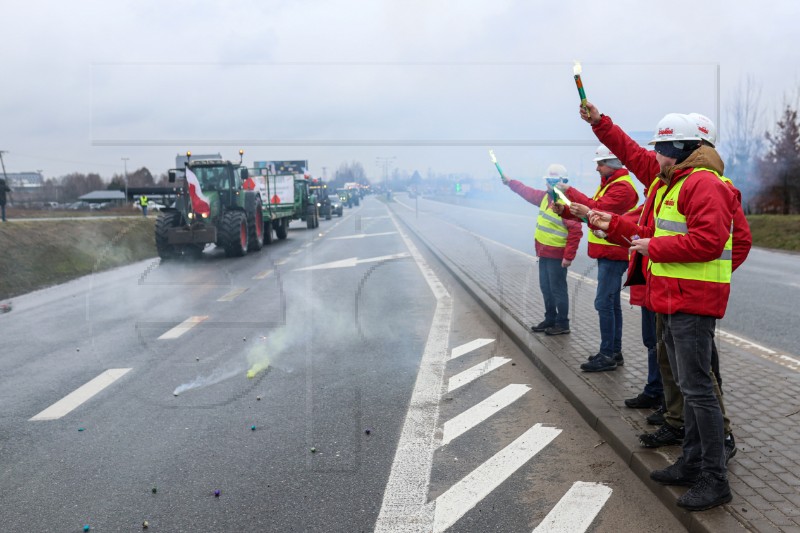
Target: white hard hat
706, 129
556, 171
675, 127
602, 153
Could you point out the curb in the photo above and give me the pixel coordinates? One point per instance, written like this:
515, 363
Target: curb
590, 405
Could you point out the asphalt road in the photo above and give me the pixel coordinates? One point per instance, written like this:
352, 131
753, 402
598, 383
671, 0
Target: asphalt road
361, 415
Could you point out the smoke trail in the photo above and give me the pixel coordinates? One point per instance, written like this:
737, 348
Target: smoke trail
220, 374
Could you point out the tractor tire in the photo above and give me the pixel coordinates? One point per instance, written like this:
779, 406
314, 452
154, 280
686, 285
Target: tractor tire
310, 218
170, 219
233, 233
281, 229
255, 226
268, 232
328, 214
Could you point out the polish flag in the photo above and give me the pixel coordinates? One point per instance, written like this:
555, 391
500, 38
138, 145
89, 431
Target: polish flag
200, 203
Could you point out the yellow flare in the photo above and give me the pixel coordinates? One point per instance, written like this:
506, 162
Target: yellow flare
576, 68
256, 368
562, 196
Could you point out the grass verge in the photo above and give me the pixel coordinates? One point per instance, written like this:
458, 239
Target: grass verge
779, 232
37, 254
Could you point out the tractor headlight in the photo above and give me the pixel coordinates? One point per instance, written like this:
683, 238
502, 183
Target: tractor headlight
205, 215
190, 216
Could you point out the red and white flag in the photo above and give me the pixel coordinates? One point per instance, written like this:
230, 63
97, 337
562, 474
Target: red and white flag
200, 203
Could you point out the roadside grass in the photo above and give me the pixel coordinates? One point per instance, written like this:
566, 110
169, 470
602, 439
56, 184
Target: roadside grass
37, 254
779, 232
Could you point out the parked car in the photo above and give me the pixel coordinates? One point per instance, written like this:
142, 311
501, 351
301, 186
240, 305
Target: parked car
336, 204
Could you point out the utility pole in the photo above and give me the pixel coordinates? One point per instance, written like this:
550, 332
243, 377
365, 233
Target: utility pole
323, 173
385, 162
125, 162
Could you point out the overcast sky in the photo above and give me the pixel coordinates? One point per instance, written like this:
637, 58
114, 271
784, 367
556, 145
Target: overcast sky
431, 84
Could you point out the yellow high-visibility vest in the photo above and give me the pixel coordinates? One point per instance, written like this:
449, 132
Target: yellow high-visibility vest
599, 194
670, 221
550, 228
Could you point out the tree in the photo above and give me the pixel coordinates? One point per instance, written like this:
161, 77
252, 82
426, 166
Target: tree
141, 178
744, 141
781, 165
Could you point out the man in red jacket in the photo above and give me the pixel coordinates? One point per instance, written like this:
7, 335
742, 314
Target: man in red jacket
556, 241
615, 194
689, 247
646, 168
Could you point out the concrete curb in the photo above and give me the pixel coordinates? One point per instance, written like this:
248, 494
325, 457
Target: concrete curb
592, 406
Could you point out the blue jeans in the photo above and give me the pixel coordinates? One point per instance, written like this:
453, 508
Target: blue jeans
553, 283
688, 340
607, 303
654, 388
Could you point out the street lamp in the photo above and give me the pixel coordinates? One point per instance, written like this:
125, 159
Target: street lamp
125, 162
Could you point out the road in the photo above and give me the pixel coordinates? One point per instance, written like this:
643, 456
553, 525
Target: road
381, 398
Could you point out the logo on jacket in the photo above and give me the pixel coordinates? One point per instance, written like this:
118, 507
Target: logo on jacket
669, 202
665, 131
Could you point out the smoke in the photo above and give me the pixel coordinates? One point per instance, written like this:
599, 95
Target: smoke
219, 374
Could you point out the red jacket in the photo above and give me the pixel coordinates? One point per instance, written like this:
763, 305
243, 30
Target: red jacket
574, 231
708, 205
620, 197
643, 164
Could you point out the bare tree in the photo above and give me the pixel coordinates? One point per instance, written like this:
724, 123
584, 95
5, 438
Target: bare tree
744, 140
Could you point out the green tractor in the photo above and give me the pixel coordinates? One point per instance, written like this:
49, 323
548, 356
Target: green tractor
216, 203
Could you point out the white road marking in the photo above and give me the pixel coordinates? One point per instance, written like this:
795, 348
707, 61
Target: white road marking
183, 327
363, 235
263, 275
458, 351
763, 352
81, 394
404, 500
473, 416
375, 218
473, 373
576, 510
353, 261
465, 494
232, 295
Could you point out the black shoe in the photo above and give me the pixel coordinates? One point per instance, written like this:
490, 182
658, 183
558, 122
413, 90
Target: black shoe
643, 401
677, 474
666, 435
708, 492
730, 447
619, 359
541, 326
656, 418
602, 363
556, 330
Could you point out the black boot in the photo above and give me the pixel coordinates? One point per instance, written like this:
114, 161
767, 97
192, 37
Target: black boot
708, 492
677, 474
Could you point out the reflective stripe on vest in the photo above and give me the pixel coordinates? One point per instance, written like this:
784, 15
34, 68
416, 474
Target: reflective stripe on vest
670, 221
599, 194
550, 228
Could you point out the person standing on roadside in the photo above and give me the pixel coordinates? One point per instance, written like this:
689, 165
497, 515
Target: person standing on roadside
645, 166
143, 202
689, 247
4, 189
615, 194
556, 241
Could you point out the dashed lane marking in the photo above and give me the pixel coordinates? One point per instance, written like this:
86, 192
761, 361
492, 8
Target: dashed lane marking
465, 494
473, 373
232, 295
576, 510
80, 395
183, 327
363, 235
473, 416
458, 351
264, 274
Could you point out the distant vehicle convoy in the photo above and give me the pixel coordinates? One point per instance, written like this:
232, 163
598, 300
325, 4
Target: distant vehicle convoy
238, 208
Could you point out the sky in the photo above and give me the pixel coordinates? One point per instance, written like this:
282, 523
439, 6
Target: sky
427, 85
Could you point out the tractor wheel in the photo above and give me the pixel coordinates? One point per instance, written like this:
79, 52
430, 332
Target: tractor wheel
281, 229
310, 217
166, 221
268, 232
233, 233
255, 224
328, 214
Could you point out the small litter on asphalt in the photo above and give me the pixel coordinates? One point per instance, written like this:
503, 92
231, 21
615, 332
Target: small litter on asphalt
258, 398
599, 443
252, 428
155, 489
81, 429
367, 431
216, 493
313, 450
86, 527
145, 524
